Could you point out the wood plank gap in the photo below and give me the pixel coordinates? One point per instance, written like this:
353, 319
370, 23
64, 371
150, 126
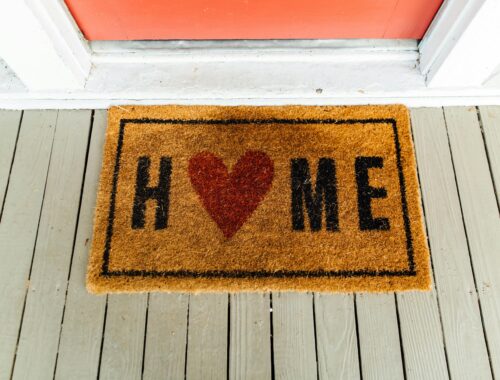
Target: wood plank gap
187, 338
271, 335
469, 250
102, 339
400, 338
228, 337
145, 335
315, 335
10, 166
357, 335
488, 159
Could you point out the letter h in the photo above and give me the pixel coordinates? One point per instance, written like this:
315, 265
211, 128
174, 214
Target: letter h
160, 193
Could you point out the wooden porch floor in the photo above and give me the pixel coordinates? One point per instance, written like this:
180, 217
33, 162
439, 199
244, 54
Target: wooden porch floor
51, 327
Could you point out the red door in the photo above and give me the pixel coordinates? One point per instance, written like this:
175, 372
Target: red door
252, 19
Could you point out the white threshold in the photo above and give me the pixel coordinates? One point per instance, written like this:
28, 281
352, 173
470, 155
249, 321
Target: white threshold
244, 72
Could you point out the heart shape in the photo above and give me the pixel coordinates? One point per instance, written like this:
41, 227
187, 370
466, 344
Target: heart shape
230, 198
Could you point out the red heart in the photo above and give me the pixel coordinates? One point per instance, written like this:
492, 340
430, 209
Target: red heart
230, 198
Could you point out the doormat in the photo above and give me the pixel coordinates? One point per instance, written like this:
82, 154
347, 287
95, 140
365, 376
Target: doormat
290, 198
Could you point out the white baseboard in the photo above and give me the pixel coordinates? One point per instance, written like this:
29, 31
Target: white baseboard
259, 77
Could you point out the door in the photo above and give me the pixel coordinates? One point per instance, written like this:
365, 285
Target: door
252, 19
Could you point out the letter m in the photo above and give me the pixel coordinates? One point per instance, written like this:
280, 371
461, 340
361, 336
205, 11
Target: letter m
324, 196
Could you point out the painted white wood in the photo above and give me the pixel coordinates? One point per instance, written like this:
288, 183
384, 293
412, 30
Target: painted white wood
379, 336
464, 47
294, 342
490, 117
81, 332
336, 343
64, 33
250, 336
300, 81
166, 336
207, 337
460, 315
41, 323
9, 127
448, 24
20, 223
122, 353
481, 217
40, 45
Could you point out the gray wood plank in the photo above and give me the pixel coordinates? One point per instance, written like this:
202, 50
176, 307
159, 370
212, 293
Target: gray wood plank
379, 337
336, 344
458, 301
41, 324
9, 127
481, 217
19, 225
122, 352
207, 337
250, 336
490, 116
293, 336
81, 333
421, 335
166, 336
421, 331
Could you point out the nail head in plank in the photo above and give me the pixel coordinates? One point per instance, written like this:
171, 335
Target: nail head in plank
336, 344
379, 336
293, 336
19, 224
81, 333
481, 217
9, 127
458, 301
122, 352
250, 340
166, 336
207, 336
490, 117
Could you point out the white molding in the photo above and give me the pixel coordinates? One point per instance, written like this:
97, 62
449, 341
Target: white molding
379, 78
40, 42
462, 46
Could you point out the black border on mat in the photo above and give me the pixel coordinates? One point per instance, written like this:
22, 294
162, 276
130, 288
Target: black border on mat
411, 271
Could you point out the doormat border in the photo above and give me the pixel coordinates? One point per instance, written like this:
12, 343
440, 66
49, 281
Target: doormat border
411, 271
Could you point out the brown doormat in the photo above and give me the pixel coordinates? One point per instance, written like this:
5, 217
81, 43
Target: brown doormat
206, 198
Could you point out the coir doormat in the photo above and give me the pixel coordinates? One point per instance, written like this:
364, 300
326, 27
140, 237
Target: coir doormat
202, 198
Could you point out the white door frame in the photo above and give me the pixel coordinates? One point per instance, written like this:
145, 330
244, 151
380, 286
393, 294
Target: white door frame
460, 49
462, 46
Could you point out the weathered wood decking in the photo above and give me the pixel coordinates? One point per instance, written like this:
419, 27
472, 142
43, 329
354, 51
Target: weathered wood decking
51, 327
